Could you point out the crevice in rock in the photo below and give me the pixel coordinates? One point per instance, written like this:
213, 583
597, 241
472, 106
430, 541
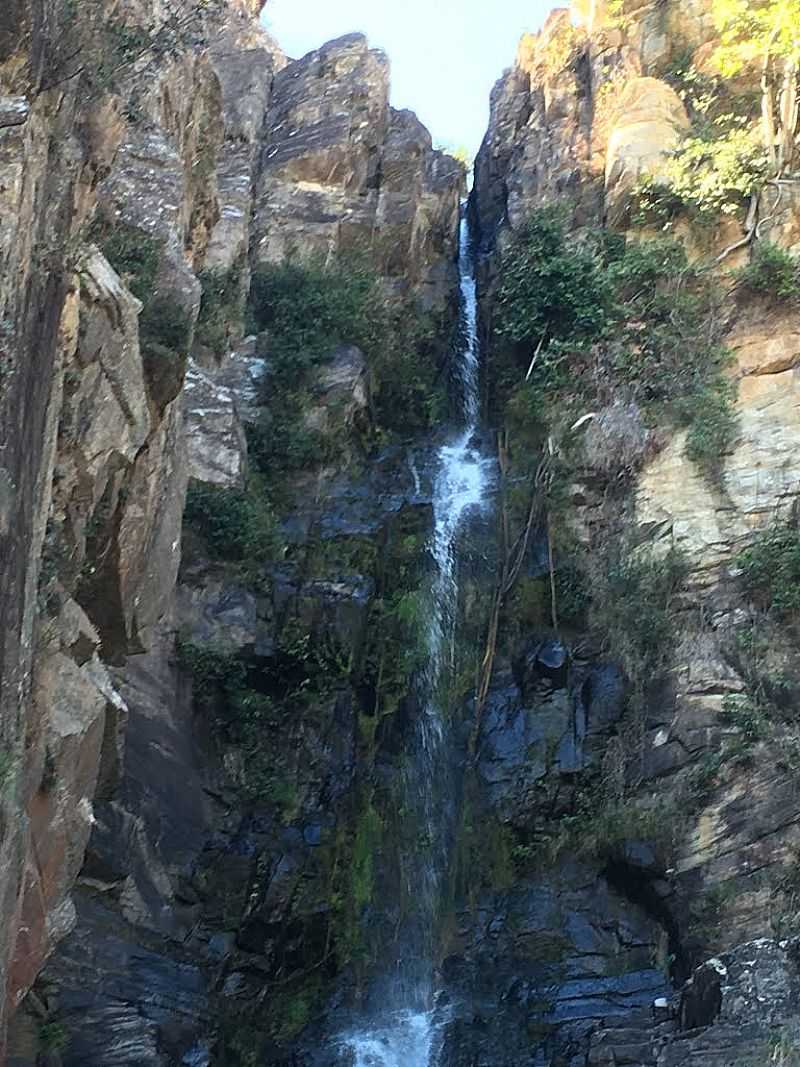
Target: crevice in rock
641, 887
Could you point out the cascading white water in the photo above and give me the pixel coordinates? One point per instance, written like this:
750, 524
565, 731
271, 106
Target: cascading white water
406, 1035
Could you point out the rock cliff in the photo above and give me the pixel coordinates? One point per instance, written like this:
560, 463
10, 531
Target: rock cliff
228, 298
152, 159
591, 118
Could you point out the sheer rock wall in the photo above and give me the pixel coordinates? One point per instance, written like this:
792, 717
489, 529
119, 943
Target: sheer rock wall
217, 151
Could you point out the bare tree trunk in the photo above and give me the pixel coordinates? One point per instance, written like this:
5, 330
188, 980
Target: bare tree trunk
787, 115
768, 116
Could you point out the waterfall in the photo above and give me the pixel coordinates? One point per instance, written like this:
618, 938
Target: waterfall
406, 1033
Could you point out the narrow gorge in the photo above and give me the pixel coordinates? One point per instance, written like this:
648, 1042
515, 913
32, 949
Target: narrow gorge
399, 561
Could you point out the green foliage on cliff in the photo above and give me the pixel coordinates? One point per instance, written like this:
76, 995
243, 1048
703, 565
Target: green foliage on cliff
210, 667
53, 1036
633, 601
713, 172
307, 309
550, 290
165, 327
579, 323
221, 308
772, 272
134, 255
771, 569
236, 524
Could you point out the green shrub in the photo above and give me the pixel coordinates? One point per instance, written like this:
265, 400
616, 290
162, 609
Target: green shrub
600, 827
211, 668
633, 321
771, 569
236, 524
712, 428
633, 605
53, 1036
165, 327
719, 163
550, 288
716, 171
221, 308
772, 271
307, 310
241, 717
743, 713
134, 255
164, 322
281, 442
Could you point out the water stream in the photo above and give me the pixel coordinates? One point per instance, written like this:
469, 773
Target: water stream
405, 1034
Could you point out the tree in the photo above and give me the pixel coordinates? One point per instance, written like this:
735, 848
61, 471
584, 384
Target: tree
765, 33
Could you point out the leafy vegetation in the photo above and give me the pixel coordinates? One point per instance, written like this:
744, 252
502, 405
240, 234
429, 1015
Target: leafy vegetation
586, 321
771, 569
221, 308
743, 713
762, 34
134, 255
236, 524
772, 272
633, 603
550, 290
165, 327
253, 702
53, 1036
308, 309
713, 172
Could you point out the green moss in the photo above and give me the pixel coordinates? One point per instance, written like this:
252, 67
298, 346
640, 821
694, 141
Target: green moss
368, 836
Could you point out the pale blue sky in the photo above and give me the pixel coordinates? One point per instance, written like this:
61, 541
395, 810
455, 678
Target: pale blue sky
446, 54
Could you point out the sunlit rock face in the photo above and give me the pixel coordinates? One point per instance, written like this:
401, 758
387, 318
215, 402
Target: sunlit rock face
344, 172
590, 105
646, 123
